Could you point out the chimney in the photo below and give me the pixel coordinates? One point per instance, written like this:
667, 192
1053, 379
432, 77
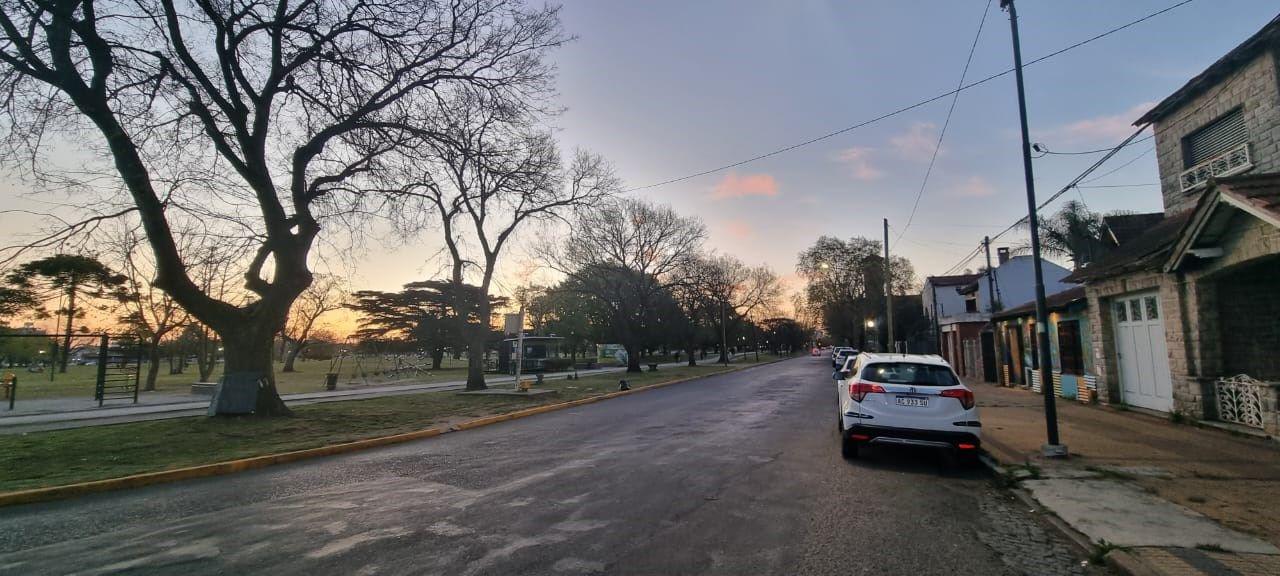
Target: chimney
1002, 254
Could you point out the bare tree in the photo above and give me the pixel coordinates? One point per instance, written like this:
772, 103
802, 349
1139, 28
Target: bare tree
627, 254
326, 294
268, 118
740, 290
149, 311
490, 174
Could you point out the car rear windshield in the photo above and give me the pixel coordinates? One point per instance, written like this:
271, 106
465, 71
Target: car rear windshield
909, 373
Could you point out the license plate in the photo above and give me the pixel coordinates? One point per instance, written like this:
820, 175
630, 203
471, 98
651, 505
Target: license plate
912, 401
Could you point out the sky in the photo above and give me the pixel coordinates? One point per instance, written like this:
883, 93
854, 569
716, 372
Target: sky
665, 89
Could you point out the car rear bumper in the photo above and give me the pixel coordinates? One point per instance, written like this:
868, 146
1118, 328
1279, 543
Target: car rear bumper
884, 435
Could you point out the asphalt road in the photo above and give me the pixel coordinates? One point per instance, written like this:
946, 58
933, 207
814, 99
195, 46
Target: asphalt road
733, 474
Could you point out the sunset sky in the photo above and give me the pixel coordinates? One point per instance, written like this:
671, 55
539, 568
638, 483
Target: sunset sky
669, 88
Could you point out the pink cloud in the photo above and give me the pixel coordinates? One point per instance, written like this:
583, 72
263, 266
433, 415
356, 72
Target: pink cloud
738, 229
1103, 128
918, 142
734, 186
975, 187
859, 161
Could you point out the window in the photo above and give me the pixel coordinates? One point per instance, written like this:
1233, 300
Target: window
970, 304
1135, 310
1153, 308
1219, 136
1121, 316
1069, 354
909, 373
1035, 345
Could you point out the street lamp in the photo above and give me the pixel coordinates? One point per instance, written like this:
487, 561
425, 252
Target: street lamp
871, 323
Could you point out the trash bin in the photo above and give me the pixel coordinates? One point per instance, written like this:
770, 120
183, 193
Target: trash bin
331, 381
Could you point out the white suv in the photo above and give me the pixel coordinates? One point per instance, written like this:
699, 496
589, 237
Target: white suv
839, 354
905, 399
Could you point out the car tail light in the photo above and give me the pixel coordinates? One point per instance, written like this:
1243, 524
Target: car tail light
859, 390
966, 446
964, 396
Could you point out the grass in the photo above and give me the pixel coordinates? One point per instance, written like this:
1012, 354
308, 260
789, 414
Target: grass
1100, 550
66, 456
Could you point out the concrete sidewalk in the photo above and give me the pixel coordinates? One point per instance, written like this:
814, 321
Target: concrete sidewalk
1169, 498
58, 414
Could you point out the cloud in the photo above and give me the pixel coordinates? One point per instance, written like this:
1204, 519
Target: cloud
858, 159
738, 229
734, 186
1113, 127
918, 142
975, 187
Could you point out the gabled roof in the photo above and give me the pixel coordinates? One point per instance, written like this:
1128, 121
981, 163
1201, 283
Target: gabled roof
1269, 35
1053, 302
1146, 252
953, 280
1257, 195
1126, 227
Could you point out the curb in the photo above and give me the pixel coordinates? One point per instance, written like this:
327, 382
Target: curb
1079, 540
33, 495
1124, 562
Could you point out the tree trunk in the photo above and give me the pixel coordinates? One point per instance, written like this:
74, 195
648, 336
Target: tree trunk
689, 349
153, 366
292, 356
66, 339
249, 357
437, 357
633, 357
476, 347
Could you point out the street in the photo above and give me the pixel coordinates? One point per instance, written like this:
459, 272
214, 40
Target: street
734, 474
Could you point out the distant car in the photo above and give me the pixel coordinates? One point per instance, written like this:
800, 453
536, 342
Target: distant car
838, 355
815, 351
905, 400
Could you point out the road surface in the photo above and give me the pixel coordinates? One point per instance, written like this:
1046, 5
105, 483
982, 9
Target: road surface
733, 474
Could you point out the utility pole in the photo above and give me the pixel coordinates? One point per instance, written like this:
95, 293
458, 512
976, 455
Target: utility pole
888, 290
1051, 449
991, 276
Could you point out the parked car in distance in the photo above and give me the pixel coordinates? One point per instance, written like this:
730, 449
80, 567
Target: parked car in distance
838, 355
905, 400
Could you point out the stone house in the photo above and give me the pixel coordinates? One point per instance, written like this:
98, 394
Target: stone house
1186, 316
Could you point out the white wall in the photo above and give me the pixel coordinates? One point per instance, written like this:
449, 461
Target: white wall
1015, 283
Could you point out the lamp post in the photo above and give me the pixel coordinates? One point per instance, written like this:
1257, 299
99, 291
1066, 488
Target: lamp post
1052, 448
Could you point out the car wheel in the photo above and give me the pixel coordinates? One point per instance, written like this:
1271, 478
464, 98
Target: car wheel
848, 448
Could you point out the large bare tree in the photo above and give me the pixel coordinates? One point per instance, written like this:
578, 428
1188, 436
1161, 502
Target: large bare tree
327, 293
490, 174
268, 118
628, 253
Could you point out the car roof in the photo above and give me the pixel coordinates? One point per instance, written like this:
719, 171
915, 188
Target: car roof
930, 359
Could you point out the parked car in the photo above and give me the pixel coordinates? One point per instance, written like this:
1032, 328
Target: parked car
838, 355
905, 400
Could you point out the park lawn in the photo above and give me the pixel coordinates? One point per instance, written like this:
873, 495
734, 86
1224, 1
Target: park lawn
52, 458
309, 377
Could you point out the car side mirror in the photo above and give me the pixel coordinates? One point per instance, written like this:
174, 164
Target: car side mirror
835, 375
840, 375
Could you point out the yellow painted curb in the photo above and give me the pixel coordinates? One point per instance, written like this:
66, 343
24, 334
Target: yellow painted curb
231, 466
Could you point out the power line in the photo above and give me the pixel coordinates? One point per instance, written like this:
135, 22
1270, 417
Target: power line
909, 107
1121, 185
1045, 152
943, 133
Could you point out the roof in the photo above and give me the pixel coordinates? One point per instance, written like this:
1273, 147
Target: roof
953, 280
1126, 227
1257, 195
932, 359
1146, 252
1269, 35
1059, 301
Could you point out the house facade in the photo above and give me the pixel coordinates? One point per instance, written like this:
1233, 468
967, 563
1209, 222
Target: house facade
961, 307
1186, 316
1074, 375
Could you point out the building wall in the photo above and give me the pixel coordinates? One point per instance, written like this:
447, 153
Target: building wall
1101, 295
1017, 282
1256, 87
1070, 383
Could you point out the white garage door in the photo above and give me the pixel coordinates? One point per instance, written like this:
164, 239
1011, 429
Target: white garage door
1144, 359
